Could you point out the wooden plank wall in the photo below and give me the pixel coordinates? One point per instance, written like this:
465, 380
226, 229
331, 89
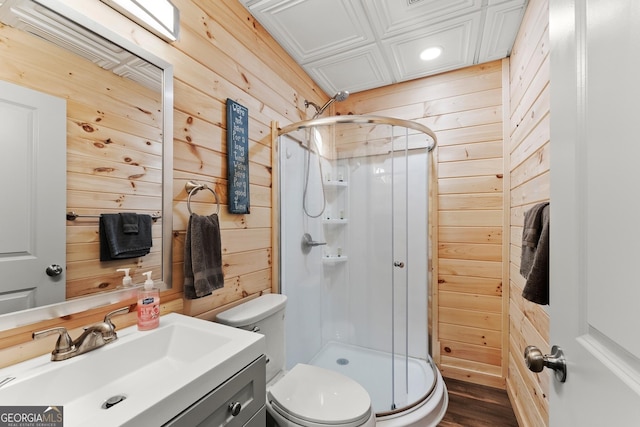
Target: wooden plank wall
245, 64
222, 53
464, 108
528, 151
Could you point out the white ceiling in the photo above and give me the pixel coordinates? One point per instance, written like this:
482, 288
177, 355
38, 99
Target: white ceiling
357, 45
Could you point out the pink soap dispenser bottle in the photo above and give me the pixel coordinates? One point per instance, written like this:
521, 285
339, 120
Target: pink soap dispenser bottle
148, 305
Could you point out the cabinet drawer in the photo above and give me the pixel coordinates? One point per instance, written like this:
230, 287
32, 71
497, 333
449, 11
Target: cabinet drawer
243, 393
259, 419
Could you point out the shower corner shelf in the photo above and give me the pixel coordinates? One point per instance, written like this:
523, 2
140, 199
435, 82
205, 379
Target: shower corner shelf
333, 259
335, 221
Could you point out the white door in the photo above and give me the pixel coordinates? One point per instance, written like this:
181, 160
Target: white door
595, 211
33, 199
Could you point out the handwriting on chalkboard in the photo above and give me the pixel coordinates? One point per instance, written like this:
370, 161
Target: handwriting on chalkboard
238, 157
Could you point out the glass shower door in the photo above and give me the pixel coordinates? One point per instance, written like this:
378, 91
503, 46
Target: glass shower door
400, 267
409, 263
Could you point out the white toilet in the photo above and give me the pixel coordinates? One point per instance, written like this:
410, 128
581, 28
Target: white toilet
306, 395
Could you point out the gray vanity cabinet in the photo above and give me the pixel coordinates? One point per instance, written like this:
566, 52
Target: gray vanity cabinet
239, 401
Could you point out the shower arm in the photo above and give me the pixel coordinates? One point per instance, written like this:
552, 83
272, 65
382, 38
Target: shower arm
324, 107
340, 96
319, 110
313, 104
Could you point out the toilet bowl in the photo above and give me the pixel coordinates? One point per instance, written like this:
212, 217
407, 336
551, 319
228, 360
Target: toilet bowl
312, 396
306, 395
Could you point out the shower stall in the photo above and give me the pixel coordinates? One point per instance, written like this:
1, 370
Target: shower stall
354, 256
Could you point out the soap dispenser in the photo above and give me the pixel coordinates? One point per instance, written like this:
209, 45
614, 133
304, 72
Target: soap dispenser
148, 305
126, 280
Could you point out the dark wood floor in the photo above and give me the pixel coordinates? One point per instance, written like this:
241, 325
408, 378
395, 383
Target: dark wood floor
472, 405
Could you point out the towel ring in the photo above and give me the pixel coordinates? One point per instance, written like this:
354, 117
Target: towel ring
193, 187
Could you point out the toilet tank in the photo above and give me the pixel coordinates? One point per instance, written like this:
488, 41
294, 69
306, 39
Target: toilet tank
264, 315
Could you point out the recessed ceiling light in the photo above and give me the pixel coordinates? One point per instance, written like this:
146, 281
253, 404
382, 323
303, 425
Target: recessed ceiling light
430, 53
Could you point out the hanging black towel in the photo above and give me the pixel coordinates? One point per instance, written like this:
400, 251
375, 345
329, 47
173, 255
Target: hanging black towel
202, 257
534, 264
126, 235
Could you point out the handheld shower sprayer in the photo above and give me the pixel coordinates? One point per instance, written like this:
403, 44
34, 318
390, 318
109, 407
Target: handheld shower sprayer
340, 96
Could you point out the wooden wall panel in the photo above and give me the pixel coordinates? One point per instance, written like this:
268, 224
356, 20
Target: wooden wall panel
474, 285
464, 108
527, 149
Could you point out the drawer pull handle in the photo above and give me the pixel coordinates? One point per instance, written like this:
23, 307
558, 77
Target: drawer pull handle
235, 408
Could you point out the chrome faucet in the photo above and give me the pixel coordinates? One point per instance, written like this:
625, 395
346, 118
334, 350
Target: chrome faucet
94, 336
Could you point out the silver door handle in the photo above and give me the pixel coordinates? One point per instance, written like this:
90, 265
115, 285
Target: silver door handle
398, 264
536, 361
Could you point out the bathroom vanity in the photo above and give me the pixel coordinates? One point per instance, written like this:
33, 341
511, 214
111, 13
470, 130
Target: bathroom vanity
239, 401
185, 372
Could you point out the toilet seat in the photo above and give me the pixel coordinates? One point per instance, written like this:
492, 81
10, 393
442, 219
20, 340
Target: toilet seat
309, 395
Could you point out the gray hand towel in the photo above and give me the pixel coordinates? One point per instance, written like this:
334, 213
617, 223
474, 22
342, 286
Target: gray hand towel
115, 243
202, 257
534, 265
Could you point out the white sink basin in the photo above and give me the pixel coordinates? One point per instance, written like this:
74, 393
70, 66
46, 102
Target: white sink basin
160, 372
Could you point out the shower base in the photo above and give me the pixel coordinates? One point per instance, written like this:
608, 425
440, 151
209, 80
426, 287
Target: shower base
372, 370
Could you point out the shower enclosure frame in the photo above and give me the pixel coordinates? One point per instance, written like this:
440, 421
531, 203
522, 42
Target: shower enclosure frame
277, 132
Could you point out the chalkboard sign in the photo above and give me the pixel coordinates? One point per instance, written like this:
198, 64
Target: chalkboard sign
238, 157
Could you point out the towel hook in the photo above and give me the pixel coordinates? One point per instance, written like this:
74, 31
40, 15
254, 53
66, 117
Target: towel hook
193, 187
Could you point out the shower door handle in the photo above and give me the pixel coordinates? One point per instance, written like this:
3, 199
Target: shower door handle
398, 264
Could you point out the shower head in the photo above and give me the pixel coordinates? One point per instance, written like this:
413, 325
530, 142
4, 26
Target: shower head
340, 96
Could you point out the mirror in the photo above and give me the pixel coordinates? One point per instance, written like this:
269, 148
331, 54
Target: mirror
119, 157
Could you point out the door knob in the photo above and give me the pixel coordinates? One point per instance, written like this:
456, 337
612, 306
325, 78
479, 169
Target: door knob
536, 361
54, 270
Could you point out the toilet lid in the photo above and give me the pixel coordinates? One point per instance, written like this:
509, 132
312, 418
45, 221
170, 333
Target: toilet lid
321, 396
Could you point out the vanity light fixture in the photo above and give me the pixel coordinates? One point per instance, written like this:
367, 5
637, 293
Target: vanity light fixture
160, 17
431, 53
